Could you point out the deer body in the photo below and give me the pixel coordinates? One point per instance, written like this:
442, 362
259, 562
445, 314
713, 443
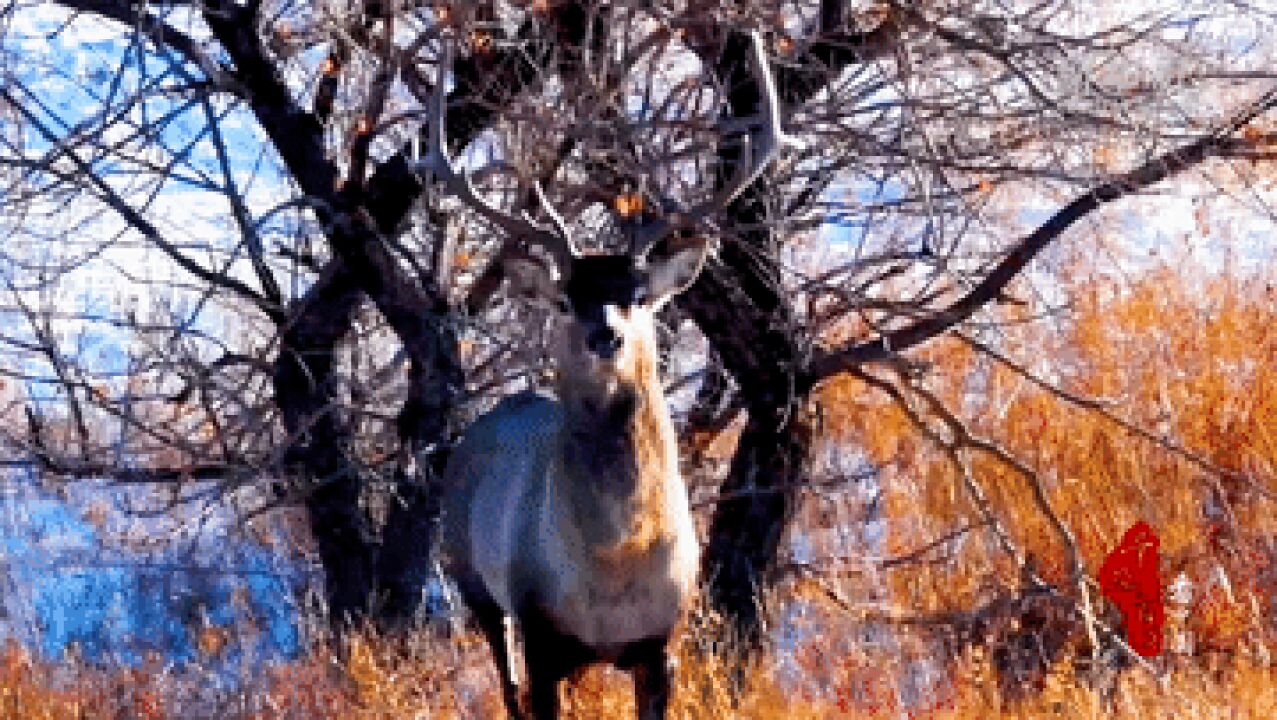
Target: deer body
569, 515
589, 526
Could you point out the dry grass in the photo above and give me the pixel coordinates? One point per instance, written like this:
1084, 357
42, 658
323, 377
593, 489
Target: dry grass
34, 690
1195, 365
432, 676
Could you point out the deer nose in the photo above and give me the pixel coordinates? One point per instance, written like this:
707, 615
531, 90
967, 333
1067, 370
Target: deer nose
604, 343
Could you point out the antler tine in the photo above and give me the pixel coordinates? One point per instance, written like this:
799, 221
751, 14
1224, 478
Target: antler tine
754, 157
560, 227
556, 241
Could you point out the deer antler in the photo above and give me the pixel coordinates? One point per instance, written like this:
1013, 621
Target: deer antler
754, 158
555, 239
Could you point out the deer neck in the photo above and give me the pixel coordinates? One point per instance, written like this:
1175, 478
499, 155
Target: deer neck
618, 458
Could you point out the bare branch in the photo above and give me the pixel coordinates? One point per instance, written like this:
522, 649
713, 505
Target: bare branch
157, 31
135, 218
995, 282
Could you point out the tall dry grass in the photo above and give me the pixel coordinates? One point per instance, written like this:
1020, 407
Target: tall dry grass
431, 676
1195, 363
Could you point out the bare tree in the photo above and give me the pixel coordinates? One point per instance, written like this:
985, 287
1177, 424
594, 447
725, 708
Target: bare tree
307, 316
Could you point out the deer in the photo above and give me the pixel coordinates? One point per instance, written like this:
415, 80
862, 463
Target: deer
566, 518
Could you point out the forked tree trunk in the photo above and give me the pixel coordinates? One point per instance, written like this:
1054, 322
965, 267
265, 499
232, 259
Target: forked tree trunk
760, 492
370, 573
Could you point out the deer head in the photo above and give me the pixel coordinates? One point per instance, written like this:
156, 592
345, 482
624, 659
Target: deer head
606, 304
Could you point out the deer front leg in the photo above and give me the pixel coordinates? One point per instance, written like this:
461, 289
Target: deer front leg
549, 657
652, 668
496, 629
543, 692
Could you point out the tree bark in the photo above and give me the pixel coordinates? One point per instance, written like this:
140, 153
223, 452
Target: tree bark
320, 447
739, 304
741, 307
738, 307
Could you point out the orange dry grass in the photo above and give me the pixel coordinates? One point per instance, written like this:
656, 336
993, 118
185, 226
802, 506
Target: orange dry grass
703, 687
832, 676
1198, 367
386, 680
29, 690
1244, 691
1194, 363
23, 695
430, 676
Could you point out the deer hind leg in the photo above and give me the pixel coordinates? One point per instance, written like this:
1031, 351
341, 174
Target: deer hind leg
651, 665
500, 636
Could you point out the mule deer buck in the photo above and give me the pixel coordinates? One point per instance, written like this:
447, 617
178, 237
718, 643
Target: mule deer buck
568, 517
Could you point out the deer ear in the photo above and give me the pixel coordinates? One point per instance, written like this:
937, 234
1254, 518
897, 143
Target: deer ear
532, 281
671, 275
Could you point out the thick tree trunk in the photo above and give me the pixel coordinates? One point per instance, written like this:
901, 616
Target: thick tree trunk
370, 573
741, 307
743, 310
749, 329
749, 525
405, 561
320, 454
380, 573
